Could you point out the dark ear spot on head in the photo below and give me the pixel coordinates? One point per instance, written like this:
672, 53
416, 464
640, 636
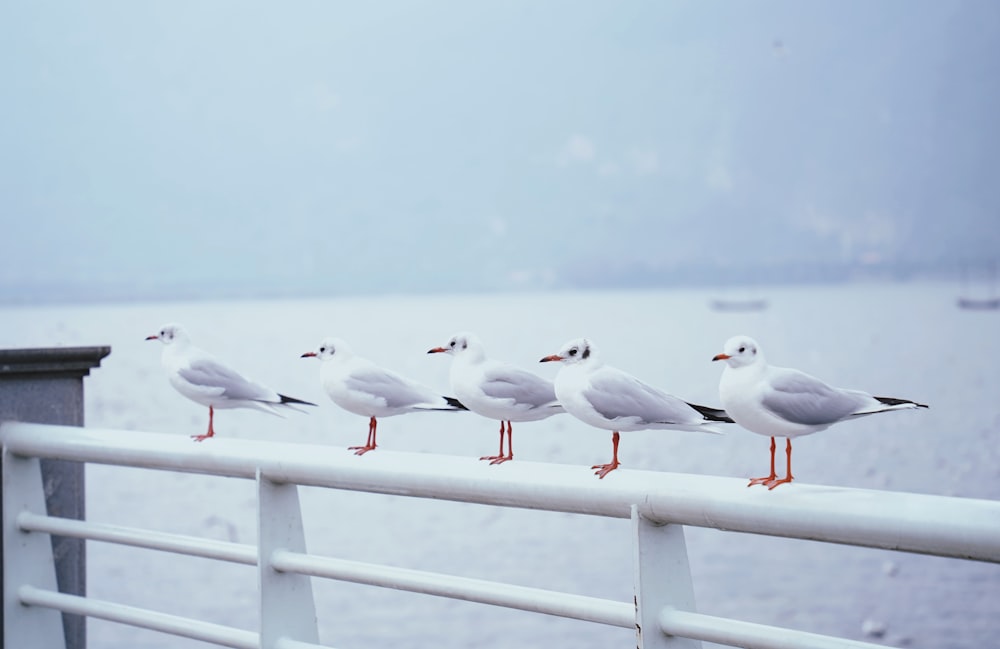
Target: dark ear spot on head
465, 344
586, 352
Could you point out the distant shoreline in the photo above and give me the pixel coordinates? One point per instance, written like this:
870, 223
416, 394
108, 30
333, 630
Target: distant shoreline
745, 281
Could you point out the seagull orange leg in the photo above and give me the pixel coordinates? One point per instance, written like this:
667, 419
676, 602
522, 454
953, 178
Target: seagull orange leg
510, 445
370, 445
211, 431
788, 472
605, 469
500, 456
768, 479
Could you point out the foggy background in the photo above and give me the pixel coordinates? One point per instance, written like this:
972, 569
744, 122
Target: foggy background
191, 149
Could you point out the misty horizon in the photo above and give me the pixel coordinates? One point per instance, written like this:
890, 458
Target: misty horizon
162, 150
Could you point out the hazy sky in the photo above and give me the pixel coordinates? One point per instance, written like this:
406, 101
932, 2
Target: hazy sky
398, 146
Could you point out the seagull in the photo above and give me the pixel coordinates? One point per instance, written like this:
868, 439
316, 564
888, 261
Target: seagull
497, 390
201, 377
608, 398
782, 402
360, 386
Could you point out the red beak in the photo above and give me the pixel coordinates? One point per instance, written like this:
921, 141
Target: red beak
553, 357
153, 337
308, 355
720, 357
436, 350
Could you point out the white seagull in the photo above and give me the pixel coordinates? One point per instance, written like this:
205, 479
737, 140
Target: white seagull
201, 377
497, 390
360, 386
782, 402
608, 398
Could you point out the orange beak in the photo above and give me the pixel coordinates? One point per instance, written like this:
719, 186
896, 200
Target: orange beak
720, 357
436, 350
553, 357
308, 355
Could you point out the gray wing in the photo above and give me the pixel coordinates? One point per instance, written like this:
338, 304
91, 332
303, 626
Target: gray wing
615, 395
213, 375
397, 391
803, 399
519, 386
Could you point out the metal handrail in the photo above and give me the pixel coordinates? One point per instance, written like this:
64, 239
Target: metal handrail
578, 607
140, 538
172, 624
963, 528
951, 527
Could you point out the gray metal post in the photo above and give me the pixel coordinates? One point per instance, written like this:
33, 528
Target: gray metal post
46, 386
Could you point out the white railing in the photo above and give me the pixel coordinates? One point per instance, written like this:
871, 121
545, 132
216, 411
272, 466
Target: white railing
658, 504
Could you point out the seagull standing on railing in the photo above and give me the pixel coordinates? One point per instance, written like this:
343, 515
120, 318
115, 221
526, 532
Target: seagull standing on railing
201, 377
497, 390
608, 398
360, 386
783, 402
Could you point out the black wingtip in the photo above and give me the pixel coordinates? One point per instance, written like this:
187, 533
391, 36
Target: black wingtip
892, 401
455, 403
713, 414
287, 399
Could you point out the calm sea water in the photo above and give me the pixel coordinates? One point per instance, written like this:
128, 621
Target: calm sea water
906, 340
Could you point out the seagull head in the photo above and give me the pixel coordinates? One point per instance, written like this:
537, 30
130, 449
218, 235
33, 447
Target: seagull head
580, 350
169, 333
463, 343
328, 349
740, 351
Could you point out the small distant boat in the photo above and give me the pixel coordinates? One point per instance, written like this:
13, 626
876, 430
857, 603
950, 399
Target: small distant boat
979, 304
728, 305
988, 303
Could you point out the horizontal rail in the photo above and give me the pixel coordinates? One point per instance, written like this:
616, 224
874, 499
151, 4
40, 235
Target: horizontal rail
525, 598
951, 527
176, 543
142, 618
578, 607
749, 635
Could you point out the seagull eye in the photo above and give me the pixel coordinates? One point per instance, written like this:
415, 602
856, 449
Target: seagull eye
452, 344
572, 352
742, 349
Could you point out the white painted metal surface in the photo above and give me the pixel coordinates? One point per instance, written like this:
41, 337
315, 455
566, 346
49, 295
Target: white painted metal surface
578, 607
176, 543
659, 504
952, 527
27, 559
747, 634
662, 578
287, 609
43, 599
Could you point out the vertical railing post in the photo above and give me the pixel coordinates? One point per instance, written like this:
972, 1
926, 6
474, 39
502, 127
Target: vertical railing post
28, 559
662, 578
287, 608
46, 386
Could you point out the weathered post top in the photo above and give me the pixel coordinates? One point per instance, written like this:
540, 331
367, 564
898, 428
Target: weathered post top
65, 361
